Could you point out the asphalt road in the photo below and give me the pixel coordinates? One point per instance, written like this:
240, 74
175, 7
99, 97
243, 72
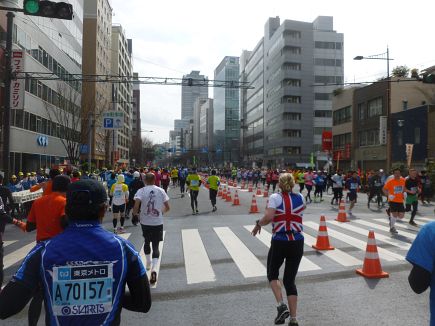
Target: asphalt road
213, 271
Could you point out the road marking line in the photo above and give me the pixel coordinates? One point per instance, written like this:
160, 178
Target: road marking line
337, 255
265, 237
8, 242
17, 255
125, 235
385, 254
197, 263
379, 236
144, 261
246, 261
386, 228
426, 219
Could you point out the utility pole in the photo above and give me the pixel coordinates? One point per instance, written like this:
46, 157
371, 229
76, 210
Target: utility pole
7, 97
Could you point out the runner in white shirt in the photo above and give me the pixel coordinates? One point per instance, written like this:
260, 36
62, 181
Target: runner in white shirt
152, 201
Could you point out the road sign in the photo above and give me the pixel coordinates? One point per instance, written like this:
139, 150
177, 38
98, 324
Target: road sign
113, 120
84, 149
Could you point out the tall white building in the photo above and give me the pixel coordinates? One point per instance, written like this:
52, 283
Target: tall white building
122, 93
294, 68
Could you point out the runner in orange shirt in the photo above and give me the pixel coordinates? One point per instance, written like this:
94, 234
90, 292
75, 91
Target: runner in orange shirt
47, 216
394, 189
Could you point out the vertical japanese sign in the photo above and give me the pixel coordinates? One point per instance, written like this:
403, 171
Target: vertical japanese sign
17, 85
409, 148
326, 141
383, 130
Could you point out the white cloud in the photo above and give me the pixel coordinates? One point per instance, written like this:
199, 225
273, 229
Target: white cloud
180, 36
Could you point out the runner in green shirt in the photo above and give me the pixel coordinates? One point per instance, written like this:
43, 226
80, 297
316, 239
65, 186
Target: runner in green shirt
193, 182
213, 181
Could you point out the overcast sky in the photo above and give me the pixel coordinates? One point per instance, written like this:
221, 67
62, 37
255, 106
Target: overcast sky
171, 38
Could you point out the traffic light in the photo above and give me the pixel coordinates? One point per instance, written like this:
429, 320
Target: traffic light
429, 78
49, 9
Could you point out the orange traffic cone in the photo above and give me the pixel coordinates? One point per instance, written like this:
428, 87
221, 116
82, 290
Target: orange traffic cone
372, 265
258, 191
22, 225
236, 199
220, 192
266, 192
254, 208
224, 193
228, 195
322, 237
250, 187
342, 217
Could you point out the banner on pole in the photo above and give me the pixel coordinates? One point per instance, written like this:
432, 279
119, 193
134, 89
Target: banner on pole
17, 85
409, 149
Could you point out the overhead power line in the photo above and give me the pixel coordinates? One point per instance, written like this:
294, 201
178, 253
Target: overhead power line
194, 82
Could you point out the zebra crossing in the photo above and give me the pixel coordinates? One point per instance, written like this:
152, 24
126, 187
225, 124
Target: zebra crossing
249, 257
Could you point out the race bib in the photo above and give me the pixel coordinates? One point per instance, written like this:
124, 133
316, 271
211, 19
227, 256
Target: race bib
398, 189
82, 290
414, 189
117, 193
165, 177
194, 183
353, 186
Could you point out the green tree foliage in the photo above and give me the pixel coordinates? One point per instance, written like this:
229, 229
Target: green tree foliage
400, 71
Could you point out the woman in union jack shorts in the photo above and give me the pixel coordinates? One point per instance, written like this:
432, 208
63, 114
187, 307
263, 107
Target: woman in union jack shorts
285, 212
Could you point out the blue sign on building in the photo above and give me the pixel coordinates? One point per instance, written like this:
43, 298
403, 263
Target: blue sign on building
42, 141
84, 149
108, 123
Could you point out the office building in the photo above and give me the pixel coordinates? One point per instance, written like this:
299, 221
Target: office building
136, 155
189, 94
226, 118
121, 65
294, 68
97, 97
39, 134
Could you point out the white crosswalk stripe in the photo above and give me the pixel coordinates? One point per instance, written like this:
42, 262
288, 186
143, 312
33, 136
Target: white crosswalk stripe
265, 237
381, 237
7, 243
248, 264
199, 266
197, 262
386, 228
384, 254
17, 255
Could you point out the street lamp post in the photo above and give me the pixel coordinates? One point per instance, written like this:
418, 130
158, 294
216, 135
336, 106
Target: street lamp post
384, 56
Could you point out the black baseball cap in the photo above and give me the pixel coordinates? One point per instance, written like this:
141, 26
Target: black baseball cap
86, 192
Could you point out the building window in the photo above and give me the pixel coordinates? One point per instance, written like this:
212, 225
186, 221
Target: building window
291, 50
400, 137
328, 62
291, 99
292, 116
374, 108
362, 111
417, 135
340, 141
322, 96
293, 133
293, 150
291, 82
293, 34
325, 45
322, 113
291, 66
342, 115
368, 137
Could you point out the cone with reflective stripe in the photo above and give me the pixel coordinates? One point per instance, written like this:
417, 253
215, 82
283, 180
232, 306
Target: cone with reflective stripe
236, 199
224, 193
250, 187
254, 207
342, 217
258, 191
229, 195
220, 192
322, 237
266, 192
372, 265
